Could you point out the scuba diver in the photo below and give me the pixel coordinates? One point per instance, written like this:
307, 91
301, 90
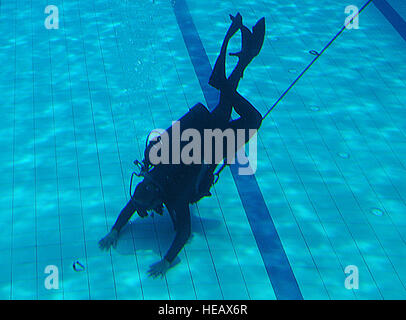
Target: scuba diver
178, 185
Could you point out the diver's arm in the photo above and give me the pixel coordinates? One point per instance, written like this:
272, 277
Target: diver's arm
183, 230
111, 238
173, 218
125, 215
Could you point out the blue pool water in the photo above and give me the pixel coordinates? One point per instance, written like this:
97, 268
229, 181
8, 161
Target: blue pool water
329, 191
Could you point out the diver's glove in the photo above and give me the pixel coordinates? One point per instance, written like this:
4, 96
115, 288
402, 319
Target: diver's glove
109, 240
159, 268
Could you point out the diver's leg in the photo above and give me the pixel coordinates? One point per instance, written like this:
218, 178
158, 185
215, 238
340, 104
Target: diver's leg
250, 118
251, 46
223, 110
249, 115
244, 128
229, 96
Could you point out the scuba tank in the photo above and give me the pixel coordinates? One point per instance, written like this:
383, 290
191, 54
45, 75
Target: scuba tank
198, 118
168, 174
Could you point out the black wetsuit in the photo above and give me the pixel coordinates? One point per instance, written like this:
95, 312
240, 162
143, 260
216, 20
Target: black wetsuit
179, 181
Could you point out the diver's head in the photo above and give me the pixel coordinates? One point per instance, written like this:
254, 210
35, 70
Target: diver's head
147, 196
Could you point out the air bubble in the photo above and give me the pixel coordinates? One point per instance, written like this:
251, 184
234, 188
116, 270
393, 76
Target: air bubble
343, 155
377, 212
315, 108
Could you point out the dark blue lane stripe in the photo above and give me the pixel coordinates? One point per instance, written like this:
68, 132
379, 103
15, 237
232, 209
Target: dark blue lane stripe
196, 52
392, 16
273, 255
275, 260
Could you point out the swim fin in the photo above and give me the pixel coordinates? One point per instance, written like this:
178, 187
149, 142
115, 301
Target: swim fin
252, 42
251, 46
236, 24
218, 74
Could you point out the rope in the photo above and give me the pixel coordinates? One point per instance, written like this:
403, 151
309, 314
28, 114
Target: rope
314, 60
